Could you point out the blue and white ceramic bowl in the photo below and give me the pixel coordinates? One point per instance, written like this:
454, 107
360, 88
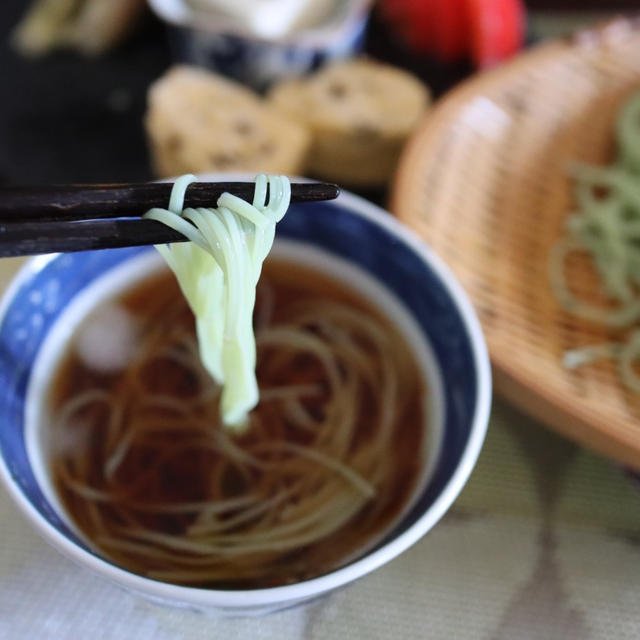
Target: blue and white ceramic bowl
226, 47
349, 237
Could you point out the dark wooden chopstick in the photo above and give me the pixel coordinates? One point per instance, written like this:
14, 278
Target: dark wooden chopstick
31, 238
89, 202
75, 218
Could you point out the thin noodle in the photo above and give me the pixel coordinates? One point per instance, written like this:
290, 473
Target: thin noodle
159, 486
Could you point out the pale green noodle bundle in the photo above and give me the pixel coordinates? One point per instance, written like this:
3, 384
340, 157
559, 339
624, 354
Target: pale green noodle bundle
218, 272
607, 227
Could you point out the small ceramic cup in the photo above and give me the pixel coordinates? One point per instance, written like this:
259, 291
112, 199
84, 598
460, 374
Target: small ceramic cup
349, 238
224, 46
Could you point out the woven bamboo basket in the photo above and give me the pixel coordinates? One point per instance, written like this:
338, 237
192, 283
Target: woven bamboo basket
484, 182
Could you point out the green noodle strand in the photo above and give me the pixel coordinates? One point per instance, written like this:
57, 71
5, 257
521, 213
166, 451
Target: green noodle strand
218, 272
607, 228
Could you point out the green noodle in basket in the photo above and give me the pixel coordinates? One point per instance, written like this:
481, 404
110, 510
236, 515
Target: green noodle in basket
607, 227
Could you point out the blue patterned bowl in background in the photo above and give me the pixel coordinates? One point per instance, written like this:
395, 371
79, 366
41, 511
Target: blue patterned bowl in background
223, 46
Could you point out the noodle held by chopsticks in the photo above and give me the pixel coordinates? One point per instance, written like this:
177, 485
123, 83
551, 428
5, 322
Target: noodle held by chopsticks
218, 272
147, 465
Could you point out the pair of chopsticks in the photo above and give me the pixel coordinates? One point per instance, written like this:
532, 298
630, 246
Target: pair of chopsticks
80, 217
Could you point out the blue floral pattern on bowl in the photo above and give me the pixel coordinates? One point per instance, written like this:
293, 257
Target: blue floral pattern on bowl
52, 283
348, 228
218, 43
258, 63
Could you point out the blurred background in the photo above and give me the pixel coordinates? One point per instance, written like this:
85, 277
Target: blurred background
71, 106
544, 542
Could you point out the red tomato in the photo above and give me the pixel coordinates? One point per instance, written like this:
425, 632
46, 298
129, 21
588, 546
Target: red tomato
496, 28
450, 29
413, 19
487, 31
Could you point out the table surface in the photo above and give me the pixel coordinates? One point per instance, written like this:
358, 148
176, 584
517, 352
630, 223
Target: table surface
544, 541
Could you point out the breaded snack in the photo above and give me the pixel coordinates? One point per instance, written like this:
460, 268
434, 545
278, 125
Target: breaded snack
199, 121
360, 114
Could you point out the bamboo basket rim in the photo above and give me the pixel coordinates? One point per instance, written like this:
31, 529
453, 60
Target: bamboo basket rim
444, 113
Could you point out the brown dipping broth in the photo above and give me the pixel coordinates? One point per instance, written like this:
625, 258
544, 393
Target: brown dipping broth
158, 303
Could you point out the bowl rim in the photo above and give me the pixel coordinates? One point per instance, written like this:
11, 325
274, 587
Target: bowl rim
178, 13
274, 596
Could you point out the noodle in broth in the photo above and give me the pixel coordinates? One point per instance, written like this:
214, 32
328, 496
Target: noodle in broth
331, 456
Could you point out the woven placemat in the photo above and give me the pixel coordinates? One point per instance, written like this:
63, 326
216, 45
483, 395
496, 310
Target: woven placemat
544, 542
